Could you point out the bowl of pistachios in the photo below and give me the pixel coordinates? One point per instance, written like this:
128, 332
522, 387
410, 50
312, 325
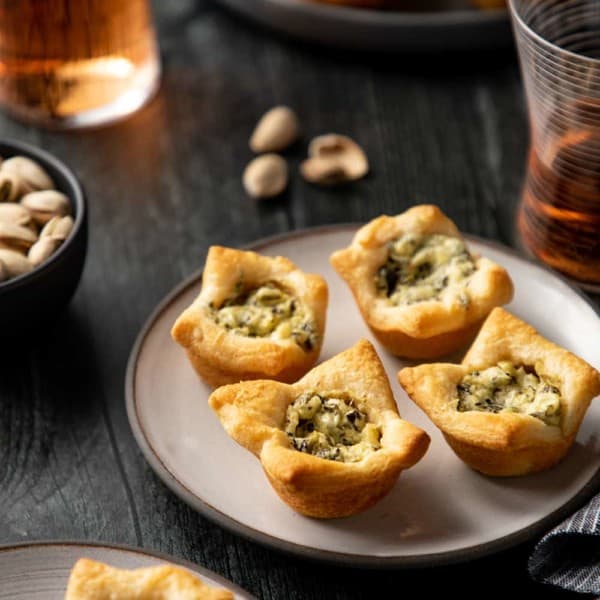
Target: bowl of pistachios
43, 236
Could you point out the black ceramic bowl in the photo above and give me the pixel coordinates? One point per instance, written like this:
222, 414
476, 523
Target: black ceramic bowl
34, 300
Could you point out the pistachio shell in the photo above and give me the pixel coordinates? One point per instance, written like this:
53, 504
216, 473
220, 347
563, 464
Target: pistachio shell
58, 228
334, 158
46, 204
42, 250
32, 174
14, 263
3, 272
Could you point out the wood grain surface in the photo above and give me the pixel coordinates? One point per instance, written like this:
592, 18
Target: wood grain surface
166, 184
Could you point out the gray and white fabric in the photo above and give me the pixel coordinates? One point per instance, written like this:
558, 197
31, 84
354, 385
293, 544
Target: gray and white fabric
569, 555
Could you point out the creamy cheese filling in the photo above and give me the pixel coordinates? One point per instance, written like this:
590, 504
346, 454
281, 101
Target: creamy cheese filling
331, 426
423, 267
507, 388
268, 311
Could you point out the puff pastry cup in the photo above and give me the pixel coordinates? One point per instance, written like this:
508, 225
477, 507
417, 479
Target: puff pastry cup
255, 317
420, 291
515, 403
93, 580
358, 459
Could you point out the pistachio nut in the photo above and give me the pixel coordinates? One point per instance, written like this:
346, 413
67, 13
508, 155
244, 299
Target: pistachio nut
266, 176
43, 249
15, 264
57, 228
46, 204
11, 187
16, 237
33, 176
14, 213
276, 130
334, 158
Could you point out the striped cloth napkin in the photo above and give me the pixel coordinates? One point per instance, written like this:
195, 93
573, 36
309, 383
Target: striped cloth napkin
569, 555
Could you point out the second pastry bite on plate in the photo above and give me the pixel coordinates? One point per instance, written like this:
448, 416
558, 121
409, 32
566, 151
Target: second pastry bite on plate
420, 290
255, 317
333, 443
515, 403
95, 580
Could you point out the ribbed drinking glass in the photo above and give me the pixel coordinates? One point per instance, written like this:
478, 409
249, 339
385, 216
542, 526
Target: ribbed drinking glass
558, 220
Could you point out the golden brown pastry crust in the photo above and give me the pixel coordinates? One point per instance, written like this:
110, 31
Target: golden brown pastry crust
505, 443
93, 580
253, 413
220, 356
426, 329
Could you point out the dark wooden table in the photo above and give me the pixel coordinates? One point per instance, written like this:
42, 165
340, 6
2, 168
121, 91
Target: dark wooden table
162, 187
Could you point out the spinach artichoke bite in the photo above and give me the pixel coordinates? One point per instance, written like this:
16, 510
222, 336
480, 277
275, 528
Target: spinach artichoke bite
420, 290
333, 443
515, 403
255, 317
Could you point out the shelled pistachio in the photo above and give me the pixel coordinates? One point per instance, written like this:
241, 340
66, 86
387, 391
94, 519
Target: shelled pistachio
266, 176
332, 158
277, 129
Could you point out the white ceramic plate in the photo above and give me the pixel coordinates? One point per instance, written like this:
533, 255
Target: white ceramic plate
440, 511
454, 24
41, 571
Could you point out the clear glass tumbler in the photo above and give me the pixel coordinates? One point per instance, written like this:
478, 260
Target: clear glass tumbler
76, 63
558, 220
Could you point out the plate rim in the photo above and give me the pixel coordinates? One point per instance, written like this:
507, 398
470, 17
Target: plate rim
163, 556
433, 18
247, 532
371, 30
391, 18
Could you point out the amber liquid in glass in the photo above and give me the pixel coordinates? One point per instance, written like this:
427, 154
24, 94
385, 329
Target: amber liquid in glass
76, 62
559, 217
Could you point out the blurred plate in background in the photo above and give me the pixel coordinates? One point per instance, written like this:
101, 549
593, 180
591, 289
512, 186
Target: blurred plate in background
449, 24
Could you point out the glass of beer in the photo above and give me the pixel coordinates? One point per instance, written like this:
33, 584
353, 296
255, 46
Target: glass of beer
76, 63
558, 220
